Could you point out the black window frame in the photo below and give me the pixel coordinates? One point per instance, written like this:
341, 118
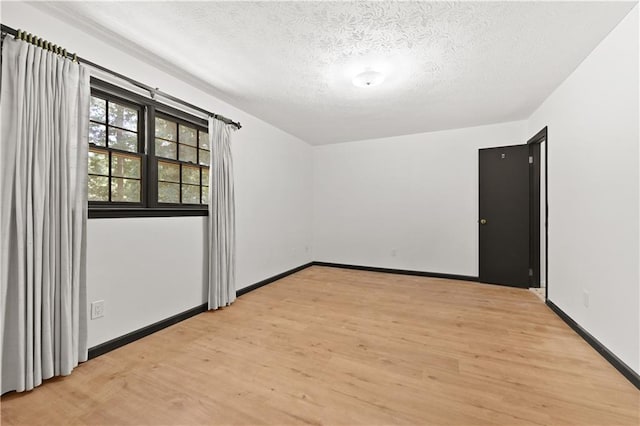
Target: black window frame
148, 108
110, 151
162, 113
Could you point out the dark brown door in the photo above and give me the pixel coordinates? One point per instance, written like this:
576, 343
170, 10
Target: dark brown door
504, 215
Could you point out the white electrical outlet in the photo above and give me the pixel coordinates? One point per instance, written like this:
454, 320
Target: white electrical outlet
585, 298
394, 252
97, 309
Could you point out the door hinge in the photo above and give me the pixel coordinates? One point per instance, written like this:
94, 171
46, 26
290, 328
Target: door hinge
530, 272
531, 159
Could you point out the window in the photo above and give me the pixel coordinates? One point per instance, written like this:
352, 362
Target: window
165, 173
183, 162
115, 158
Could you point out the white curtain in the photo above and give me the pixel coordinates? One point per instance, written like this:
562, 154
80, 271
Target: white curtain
44, 111
222, 231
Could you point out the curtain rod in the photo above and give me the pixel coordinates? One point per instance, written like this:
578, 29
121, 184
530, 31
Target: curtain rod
152, 91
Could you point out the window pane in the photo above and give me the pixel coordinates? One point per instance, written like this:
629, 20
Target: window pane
168, 172
188, 136
190, 194
125, 190
97, 134
205, 195
98, 188
122, 116
191, 175
123, 139
98, 109
166, 149
205, 176
98, 162
204, 157
168, 192
204, 139
187, 154
123, 165
166, 129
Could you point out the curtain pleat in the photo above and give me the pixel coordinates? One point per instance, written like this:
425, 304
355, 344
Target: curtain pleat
222, 228
43, 213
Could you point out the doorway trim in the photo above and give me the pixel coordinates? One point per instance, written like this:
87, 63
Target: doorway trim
537, 139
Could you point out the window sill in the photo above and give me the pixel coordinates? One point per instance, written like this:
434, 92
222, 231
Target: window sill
122, 212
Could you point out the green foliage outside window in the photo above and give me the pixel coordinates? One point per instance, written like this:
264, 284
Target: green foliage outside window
114, 176
185, 180
116, 160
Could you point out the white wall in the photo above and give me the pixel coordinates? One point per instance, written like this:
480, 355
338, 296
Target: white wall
592, 121
273, 176
417, 194
144, 269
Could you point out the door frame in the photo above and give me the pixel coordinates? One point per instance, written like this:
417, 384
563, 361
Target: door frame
534, 201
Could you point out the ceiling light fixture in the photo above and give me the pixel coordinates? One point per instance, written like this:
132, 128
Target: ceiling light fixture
368, 78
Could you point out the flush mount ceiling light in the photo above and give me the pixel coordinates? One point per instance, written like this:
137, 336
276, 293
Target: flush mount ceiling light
368, 78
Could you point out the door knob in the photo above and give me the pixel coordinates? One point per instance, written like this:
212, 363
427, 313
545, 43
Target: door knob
483, 221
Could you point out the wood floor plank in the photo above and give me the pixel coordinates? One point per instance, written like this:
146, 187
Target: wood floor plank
330, 346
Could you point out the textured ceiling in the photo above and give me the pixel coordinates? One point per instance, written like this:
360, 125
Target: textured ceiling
447, 64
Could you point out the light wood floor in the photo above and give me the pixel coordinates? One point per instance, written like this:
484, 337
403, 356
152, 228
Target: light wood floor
341, 347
